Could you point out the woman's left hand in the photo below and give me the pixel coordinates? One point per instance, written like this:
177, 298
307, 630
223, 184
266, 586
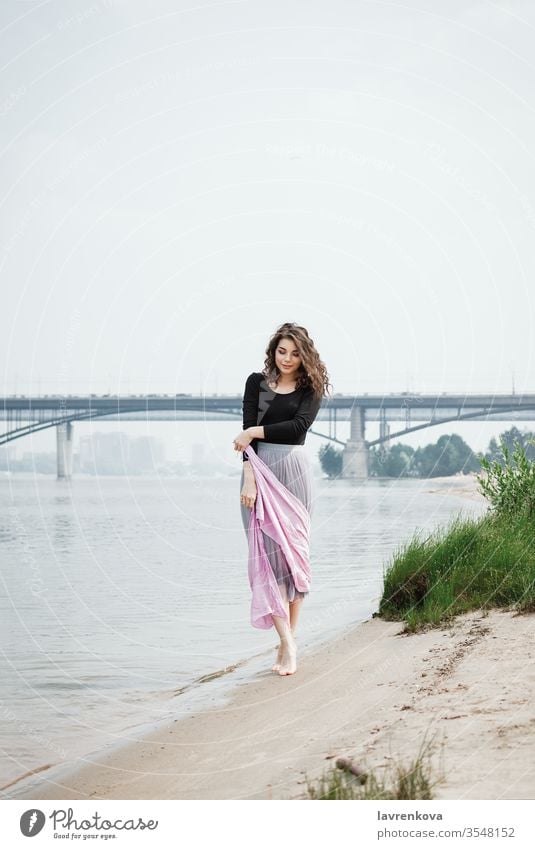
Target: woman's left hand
242, 440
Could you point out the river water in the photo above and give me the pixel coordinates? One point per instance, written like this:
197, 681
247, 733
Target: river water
122, 597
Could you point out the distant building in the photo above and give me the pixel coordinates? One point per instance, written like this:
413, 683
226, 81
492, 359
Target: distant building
118, 454
104, 453
8, 455
41, 462
146, 454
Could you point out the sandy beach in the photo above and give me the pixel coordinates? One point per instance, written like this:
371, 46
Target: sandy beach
372, 695
466, 486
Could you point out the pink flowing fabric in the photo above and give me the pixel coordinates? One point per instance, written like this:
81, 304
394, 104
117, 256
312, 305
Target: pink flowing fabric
280, 515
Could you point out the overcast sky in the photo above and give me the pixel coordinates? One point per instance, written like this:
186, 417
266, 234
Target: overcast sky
180, 177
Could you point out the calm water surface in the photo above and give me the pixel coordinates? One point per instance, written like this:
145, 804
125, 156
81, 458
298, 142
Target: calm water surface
120, 594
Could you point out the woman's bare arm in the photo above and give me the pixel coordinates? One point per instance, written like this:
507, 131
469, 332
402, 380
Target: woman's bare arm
256, 433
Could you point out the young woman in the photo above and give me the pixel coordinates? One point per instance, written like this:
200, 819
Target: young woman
280, 404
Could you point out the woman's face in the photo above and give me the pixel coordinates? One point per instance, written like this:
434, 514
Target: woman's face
287, 358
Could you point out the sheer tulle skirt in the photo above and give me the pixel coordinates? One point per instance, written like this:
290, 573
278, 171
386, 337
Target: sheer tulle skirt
291, 465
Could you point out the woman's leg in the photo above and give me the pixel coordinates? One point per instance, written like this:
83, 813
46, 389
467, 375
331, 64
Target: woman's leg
301, 486
277, 665
287, 655
287, 649
295, 607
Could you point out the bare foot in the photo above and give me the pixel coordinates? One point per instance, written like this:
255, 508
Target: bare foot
289, 658
276, 665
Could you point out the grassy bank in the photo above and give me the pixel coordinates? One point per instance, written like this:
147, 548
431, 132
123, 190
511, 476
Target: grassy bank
469, 564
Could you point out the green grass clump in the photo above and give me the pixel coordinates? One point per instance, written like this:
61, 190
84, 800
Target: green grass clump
413, 781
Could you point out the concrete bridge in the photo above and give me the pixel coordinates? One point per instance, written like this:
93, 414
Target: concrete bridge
25, 415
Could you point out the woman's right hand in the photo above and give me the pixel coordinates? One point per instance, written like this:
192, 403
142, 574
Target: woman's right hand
248, 493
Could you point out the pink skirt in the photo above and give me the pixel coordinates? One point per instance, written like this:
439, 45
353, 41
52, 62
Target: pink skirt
278, 529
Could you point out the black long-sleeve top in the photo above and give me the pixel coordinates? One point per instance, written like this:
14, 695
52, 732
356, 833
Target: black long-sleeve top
285, 417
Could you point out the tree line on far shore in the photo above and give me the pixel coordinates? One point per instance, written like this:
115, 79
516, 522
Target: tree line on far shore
449, 455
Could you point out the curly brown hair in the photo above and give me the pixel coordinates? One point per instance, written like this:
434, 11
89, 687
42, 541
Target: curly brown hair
312, 371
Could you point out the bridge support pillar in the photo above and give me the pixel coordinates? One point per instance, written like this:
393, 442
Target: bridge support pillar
355, 456
64, 433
